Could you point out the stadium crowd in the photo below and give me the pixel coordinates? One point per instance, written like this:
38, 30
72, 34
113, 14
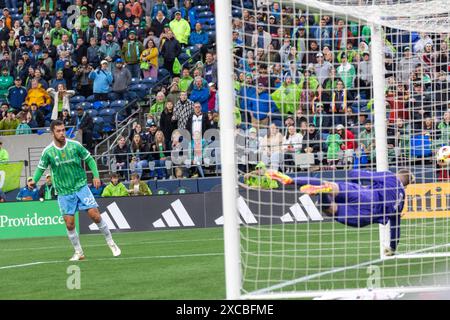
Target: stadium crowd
303, 82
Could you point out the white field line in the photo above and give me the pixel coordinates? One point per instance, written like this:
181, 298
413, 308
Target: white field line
15, 266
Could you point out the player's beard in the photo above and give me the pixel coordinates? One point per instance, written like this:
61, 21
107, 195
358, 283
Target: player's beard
61, 140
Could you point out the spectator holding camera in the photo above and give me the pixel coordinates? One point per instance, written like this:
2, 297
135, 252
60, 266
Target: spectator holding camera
103, 80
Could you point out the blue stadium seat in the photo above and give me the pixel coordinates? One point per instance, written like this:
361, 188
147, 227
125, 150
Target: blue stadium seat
16, 16
134, 81
190, 184
98, 105
236, 13
211, 36
86, 105
108, 116
140, 90
91, 98
148, 82
210, 21
77, 99
73, 113
162, 191
207, 27
182, 190
92, 112
183, 57
201, 8
98, 127
206, 184
118, 104
205, 14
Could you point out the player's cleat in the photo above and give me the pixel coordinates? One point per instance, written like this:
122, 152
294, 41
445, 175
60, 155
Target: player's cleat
115, 249
389, 252
278, 176
312, 190
77, 256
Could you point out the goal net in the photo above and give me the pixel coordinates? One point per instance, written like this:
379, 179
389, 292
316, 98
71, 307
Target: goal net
329, 90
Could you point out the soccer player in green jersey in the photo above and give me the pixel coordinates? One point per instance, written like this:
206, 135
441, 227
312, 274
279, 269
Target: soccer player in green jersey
64, 157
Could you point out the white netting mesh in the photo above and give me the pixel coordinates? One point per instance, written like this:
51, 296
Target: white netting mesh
304, 95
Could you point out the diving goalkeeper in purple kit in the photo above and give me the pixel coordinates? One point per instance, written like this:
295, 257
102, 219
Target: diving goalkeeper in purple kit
380, 200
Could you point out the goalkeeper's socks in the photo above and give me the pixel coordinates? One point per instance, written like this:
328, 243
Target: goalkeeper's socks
325, 201
75, 240
103, 227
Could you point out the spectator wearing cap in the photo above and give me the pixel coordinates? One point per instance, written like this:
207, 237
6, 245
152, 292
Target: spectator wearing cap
83, 122
131, 53
159, 5
170, 50
322, 68
38, 76
109, 50
47, 191
199, 39
407, 65
334, 143
9, 124
121, 81
82, 22
4, 155
61, 98
7, 18
151, 129
6, 81
261, 38
158, 23
149, 60
181, 29
47, 45
92, 31
103, 80
17, 94
346, 72
364, 75
47, 61
57, 32
28, 193
349, 144
200, 93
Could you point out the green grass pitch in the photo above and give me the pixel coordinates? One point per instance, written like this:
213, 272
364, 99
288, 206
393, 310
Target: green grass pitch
189, 264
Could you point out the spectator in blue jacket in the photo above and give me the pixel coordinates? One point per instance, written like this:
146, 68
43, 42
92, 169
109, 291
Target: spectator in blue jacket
199, 39
262, 106
103, 80
17, 94
200, 93
188, 12
28, 193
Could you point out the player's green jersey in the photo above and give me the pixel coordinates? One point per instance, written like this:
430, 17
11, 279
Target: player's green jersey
68, 175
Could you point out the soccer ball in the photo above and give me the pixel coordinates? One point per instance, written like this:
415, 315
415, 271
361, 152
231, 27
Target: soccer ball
443, 155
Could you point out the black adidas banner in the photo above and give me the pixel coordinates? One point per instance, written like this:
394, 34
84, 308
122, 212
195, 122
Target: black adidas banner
201, 210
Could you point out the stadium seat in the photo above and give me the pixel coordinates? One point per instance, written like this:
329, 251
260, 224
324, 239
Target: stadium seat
212, 36
163, 75
183, 58
236, 13
91, 98
86, 105
92, 112
210, 21
118, 104
162, 191
77, 99
98, 127
205, 14
134, 81
140, 90
201, 8
182, 190
109, 119
98, 105
16, 16
207, 27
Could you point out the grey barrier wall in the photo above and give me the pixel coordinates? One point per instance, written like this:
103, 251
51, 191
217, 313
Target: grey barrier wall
201, 210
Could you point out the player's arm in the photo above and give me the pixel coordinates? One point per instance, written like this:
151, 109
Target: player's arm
41, 167
85, 155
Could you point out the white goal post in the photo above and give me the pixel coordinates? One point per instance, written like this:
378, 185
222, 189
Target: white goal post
262, 261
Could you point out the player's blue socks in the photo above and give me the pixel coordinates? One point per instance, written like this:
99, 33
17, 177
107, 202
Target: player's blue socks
75, 240
103, 227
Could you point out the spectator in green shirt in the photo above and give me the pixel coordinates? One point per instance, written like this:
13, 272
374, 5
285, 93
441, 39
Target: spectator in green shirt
185, 80
4, 155
115, 188
6, 81
138, 187
258, 179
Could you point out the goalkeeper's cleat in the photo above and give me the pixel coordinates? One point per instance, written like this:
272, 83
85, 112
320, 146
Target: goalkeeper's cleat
389, 252
278, 176
77, 256
312, 190
115, 249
